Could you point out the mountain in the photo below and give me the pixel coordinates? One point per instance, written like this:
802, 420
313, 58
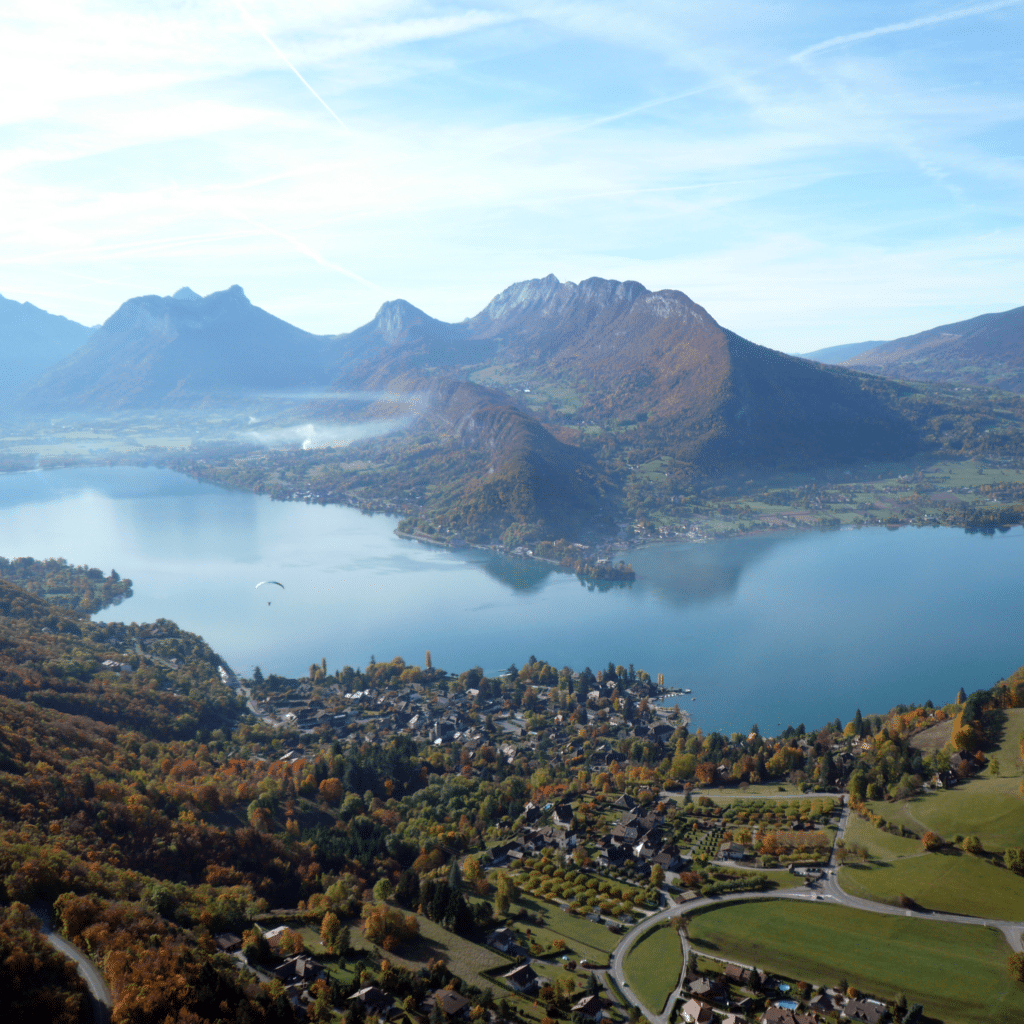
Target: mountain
839, 353
527, 477
985, 351
616, 355
186, 350
31, 340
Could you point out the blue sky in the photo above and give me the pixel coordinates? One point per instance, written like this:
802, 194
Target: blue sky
812, 174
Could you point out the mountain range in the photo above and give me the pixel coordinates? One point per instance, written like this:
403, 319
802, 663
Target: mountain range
543, 405
985, 351
185, 350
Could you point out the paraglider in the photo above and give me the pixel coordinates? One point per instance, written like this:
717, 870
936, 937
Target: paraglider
269, 583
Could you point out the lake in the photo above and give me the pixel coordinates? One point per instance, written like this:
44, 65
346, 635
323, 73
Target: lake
774, 629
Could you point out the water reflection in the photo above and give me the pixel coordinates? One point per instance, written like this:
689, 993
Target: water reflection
768, 629
687, 574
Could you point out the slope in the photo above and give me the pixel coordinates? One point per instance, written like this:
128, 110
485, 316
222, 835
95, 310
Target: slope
985, 351
31, 340
839, 353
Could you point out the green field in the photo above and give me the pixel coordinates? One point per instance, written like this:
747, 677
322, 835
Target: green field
958, 972
956, 884
880, 845
584, 938
991, 809
653, 966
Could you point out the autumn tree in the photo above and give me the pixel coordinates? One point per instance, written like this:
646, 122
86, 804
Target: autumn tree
330, 930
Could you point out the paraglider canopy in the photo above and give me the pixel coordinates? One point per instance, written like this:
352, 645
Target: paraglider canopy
269, 583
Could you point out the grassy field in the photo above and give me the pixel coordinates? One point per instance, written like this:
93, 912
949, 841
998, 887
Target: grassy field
653, 966
880, 845
958, 972
956, 884
991, 809
584, 938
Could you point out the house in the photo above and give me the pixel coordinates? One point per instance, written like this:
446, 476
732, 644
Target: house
501, 939
562, 815
522, 979
228, 943
669, 859
732, 851
625, 802
611, 856
531, 812
298, 969
590, 1007
374, 999
274, 937
867, 1011
453, 1004
783, 1015
695, 1012
710, 989
824, 1003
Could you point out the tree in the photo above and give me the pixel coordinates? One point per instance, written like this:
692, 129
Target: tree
501, 904
973, 846
383, 890
1014, 860
932, 841
657, 875
471, 870
1015, 965
330, 930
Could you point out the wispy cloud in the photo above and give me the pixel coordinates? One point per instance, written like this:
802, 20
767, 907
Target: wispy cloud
905, 26
491, 140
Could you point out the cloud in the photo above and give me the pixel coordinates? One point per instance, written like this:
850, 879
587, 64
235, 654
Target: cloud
322, 435
904, 26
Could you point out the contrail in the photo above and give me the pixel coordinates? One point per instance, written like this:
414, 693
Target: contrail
307, 250
251, 22
904, 26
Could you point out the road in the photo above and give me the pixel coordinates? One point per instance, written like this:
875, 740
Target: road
102, 999
826, 891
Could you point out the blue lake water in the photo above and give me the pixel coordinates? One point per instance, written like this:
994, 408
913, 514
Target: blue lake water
773, 630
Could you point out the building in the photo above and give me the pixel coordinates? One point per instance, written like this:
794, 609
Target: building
501, 939
374, 999
590, 1007
866, 1011
522, 979
452, 1004
695, 1012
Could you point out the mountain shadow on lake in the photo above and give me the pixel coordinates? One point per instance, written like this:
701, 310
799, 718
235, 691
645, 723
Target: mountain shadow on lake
691, 574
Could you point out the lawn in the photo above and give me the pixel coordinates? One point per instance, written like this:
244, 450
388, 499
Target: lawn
584, 938
466, 959
653, 966
880, 845
991, 809
956, 884
958, 972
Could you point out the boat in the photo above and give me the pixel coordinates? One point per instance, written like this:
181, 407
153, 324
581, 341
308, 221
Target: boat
687, 691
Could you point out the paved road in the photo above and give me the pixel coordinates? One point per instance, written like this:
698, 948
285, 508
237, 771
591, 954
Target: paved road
826, 891
102, 999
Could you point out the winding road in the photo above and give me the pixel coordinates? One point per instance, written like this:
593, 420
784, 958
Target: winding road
827, 890
102, 999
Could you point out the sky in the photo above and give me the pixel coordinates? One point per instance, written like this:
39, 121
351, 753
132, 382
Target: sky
812, 174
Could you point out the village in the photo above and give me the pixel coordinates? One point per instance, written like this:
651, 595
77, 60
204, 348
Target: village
591, 877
